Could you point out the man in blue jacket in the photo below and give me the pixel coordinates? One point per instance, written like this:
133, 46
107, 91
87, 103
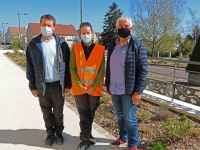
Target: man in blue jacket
47, 70
126, 72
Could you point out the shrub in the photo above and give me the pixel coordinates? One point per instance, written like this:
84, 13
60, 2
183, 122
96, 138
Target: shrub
184, 118
195, 132
104, 99
157, 146
160, 61
162, 115
165, 107
106, 112
177, 128
145, 115
195, 57
145, 129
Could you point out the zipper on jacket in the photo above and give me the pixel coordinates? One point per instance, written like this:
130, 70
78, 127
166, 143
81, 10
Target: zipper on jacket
43, 74
59, 61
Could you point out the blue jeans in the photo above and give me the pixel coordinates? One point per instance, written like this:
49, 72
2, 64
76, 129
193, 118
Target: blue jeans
125, 112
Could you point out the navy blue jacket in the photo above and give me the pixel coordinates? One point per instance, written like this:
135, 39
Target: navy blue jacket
35, 72
136, 67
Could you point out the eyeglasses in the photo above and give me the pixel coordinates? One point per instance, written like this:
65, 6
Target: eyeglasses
85, 23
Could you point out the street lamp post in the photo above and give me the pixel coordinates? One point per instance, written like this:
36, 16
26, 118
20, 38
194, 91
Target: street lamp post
81, 10
3, 31
19, 22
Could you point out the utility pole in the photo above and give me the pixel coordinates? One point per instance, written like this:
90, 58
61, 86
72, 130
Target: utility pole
81, 10
3, 32
19, 23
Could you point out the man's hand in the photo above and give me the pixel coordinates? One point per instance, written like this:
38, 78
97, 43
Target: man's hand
84, 89
90, 90
67, 90
35, 93
136, 98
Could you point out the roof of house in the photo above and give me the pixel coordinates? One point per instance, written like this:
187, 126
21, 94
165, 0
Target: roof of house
16, 30
60, 29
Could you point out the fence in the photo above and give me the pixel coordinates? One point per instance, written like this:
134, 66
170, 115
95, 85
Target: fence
169, 77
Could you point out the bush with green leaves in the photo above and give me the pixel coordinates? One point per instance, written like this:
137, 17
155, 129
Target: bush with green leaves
145, 115
184, 118
162, 113
165, 107
157, 146
177, 128
160, 61
104, 99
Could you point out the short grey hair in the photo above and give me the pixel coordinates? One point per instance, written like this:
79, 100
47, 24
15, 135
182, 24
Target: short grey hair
124, 18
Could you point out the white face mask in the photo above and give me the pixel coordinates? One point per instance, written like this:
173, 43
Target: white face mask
86, 38
46, 31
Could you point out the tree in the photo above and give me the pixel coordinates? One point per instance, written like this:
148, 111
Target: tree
186, 46
16, 43
75, 40
193, 26
195, 57
109, 28
154, 21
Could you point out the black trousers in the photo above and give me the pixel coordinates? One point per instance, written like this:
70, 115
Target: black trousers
52, 107
86, 106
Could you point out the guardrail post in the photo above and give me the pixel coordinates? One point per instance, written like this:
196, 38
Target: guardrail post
174, 80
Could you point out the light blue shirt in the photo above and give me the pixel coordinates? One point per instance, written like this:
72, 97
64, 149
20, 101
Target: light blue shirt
50, 60
117, 68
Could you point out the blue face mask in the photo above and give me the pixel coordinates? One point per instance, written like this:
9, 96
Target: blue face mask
86, 38
46, 31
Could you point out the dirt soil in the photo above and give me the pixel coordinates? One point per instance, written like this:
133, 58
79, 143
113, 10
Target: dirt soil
151, 119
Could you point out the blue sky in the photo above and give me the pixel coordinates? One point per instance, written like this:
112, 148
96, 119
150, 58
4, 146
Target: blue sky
68, 11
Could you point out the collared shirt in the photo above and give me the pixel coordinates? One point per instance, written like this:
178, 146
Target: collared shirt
50, 60
117, 68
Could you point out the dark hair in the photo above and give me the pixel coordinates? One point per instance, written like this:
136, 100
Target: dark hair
85, 24
48, 16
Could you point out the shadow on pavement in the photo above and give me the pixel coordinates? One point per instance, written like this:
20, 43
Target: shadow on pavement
36, 137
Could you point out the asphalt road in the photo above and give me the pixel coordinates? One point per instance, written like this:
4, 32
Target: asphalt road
167, 73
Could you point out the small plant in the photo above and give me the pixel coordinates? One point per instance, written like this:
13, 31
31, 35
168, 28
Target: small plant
162, 113
177, 128
165, 107
145, 115
153, 62
104, 99
165, 62
160, 61
106, 112
145, 129
184, 118
157, 146
195, 132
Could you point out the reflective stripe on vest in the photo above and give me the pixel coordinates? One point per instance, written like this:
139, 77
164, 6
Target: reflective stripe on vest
88, 70
89, 82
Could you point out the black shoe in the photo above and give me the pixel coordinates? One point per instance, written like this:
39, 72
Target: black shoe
49, 140
59, 138
85, 144
92, 140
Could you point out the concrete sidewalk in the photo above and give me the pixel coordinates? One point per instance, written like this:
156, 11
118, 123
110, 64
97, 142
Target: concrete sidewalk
21, 123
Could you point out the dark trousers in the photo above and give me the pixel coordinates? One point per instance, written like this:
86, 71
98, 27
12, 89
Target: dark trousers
86, 106
52, 108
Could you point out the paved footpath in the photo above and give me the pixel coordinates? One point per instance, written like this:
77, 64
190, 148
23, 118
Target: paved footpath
21, 122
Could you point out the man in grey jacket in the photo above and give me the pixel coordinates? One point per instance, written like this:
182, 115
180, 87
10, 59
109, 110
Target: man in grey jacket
47, 58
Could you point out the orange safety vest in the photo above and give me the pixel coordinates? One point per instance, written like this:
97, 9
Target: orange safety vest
87, 70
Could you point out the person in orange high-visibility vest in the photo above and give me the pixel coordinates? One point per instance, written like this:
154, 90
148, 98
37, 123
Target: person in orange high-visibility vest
87, 65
